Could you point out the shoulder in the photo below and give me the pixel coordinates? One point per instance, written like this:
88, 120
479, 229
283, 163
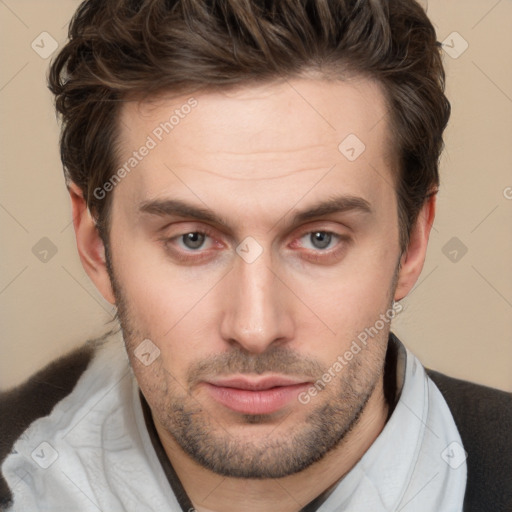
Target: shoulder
484, 409
36, 398
483, 416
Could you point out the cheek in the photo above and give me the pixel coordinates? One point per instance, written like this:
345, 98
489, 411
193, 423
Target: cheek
357, 292
344, 306
159, 293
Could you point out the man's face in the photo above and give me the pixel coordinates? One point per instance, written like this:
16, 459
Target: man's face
252, 251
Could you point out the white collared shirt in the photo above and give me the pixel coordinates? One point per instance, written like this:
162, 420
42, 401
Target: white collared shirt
93, 452
417, 463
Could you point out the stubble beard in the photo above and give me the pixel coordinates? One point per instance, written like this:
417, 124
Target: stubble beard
283, 452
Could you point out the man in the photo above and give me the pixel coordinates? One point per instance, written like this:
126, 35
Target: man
253, 186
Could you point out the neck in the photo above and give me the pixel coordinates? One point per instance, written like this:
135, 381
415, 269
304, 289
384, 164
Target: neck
212, 492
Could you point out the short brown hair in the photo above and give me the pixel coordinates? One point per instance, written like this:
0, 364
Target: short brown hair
121, 49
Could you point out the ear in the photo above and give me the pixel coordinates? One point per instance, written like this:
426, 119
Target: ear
90, 246
413, 258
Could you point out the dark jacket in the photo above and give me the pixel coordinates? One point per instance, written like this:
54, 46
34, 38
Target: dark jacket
483, 416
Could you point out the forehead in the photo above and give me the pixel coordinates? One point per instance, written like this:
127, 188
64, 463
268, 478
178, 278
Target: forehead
264, 140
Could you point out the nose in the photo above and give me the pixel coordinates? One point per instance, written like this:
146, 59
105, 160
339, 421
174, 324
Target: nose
257, 312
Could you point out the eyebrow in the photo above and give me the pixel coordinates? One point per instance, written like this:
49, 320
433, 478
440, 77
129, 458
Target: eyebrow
179, 208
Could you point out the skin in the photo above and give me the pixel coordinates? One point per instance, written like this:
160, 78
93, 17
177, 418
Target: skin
256, 156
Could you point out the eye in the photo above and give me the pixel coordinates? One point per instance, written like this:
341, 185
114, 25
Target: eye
193, 240
191, 247
319, 240
322, 247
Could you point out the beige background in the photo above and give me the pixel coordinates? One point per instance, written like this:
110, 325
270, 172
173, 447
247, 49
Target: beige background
458, 319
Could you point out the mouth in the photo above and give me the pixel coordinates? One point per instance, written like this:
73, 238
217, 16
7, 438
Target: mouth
261, 395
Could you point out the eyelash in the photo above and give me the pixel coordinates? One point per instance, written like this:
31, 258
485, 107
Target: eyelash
318, 256
187, 256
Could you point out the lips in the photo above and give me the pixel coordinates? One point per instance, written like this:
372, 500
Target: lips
262, 395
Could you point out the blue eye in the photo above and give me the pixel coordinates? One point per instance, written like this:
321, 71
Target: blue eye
194, 240
320, 239
197, 247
